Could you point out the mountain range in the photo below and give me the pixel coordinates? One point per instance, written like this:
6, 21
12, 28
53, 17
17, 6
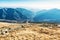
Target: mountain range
17, 14
52, 15
22, 15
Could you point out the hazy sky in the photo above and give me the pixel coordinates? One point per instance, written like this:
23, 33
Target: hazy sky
32, 4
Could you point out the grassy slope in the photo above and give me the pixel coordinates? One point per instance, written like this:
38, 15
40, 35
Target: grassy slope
30, 32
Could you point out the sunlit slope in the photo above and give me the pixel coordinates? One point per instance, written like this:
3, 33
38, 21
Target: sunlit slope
28, 31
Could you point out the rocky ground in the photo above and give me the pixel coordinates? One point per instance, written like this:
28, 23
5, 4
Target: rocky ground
16, 31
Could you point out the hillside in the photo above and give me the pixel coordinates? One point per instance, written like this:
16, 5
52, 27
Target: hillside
30, 31
23, 15
51, 15
17, 14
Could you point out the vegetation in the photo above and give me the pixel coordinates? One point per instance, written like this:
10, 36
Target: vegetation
30, 31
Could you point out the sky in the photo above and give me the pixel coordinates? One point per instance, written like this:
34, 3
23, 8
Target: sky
31, 4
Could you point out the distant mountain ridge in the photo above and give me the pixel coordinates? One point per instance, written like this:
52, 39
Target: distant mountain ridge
17, 14
52, 15
23, 15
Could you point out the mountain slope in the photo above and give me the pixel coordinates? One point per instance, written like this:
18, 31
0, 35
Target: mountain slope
52, 15
15, 14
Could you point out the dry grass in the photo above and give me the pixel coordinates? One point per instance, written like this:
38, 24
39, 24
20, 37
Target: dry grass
29, 32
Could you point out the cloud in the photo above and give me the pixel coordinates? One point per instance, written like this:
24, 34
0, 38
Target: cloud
32, 5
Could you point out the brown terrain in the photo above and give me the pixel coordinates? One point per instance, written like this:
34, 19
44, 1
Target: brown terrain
29, 31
